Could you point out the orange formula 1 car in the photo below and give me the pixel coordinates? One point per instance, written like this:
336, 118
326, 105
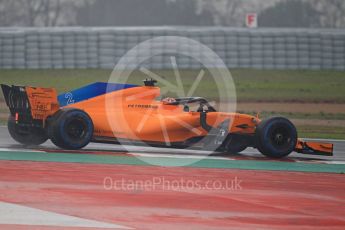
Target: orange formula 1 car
102, 112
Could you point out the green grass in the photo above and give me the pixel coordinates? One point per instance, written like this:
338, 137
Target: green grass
276, 85
327, 132
62, 80
251, 85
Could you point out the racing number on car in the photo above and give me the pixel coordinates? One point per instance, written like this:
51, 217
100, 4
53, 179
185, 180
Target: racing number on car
41, 107
69, 97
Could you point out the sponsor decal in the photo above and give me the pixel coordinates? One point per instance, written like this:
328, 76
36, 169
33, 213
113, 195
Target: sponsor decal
142, 106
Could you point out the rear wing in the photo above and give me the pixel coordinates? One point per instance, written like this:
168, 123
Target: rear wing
27, 104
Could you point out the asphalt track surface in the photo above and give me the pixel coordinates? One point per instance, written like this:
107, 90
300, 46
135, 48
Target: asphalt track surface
7, 142
109, 187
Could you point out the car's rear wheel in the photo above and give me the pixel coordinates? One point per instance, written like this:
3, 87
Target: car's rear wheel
276, 137
70, 129
26, 135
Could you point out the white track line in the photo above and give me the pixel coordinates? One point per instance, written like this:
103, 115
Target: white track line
333, 162
181, 156
20, 150
13, 214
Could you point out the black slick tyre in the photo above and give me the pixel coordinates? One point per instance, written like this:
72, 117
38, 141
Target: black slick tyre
70, 129
276, 137
26, 135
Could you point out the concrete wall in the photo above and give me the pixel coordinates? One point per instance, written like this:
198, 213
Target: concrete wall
33, 48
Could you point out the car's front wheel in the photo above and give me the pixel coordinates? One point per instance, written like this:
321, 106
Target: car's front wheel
276, 137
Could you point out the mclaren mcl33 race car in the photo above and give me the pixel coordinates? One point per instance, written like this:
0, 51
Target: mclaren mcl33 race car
73, 120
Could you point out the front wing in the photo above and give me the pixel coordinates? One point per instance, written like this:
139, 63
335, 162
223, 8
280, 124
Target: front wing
314, 148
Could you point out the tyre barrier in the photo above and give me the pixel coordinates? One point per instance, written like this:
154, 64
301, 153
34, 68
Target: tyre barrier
40, 48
